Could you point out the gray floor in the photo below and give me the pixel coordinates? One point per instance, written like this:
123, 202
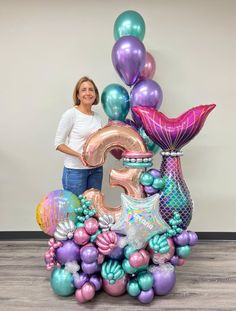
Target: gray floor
206, 282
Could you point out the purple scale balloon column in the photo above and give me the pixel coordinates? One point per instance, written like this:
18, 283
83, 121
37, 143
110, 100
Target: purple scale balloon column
171, 134
175, 196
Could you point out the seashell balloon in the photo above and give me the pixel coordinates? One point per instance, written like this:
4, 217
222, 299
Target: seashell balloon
106, 221
64, 230
106, 242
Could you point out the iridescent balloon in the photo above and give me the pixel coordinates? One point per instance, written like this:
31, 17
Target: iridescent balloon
128, 58
115, 101
129, 23
62, 282
56, 206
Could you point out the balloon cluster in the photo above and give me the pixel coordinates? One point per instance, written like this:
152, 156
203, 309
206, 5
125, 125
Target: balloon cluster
136, 68
152, 181
83, 265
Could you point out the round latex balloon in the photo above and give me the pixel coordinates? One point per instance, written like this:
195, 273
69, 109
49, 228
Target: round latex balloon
128, 58
55, 207
149, 67
62, 282
129, 23
146, 93
115, 101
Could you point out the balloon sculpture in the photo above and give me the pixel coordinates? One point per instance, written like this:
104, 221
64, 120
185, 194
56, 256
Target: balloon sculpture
133, 248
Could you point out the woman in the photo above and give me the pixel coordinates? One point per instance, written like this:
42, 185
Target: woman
75, 126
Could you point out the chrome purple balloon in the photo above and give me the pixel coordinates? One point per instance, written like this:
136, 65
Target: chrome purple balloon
164, 279
146, 296
68, 252
80, 279
89, 254
146, 93
90, 268
128, 58
96, 280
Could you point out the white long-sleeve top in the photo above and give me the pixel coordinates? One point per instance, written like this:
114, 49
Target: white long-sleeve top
73, 130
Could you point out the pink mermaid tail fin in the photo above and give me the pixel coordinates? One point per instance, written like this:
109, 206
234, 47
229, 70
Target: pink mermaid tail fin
173, 133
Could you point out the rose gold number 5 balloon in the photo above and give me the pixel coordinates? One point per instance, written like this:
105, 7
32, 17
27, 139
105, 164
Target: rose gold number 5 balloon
114, 135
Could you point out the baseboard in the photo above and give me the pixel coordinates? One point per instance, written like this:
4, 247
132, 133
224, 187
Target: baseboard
39, 235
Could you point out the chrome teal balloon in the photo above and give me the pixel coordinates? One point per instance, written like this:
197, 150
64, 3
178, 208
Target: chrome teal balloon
145, 280
146, 179
154, 148
127, 267
115, 102
183, 251
133, 288
158, 183
62, 282
129, 23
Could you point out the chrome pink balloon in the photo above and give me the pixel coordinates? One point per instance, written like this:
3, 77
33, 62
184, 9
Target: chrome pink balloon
81, 237
106, 242
149, 67
173, 133
128, 58
117, 289
86, 293
91, 225
139, 258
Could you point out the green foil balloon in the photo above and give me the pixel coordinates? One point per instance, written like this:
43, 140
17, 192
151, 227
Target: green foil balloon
154, 148
129, 23
62, 282
145, 280
115, 101
133, 288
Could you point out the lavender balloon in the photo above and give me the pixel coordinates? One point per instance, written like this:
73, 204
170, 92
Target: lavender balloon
146, 296
68, 252
155, 173
90, 268
164, 278
80, 279
146, 93
193, 238
96, 280
89, 254
182, 239
128, 58
150, 190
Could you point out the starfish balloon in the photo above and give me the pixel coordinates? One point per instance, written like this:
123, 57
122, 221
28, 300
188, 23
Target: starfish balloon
140, 219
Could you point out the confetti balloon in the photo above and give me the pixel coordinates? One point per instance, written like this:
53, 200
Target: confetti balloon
56, 206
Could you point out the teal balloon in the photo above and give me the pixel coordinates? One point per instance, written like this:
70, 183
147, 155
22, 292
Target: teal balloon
127, 267
62, 282
129, 23
183, 251
145, 280
158, 183
133, 288
154, 148
146, 179
129, 250
115, 101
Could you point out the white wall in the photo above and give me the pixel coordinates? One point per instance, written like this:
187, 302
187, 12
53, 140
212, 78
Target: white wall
47, 45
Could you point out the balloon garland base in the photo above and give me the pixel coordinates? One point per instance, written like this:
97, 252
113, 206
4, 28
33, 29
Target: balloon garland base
87, 256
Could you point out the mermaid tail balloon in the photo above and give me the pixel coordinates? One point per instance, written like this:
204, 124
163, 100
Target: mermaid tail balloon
171, 134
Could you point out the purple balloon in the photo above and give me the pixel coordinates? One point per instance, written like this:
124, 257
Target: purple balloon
89, 254
146, 296
80, 279
164, 279
155, 173
96, 280
69, 251
182, 239
150, 190
117, 253
146, 93
128, 58
90, 268
193, 238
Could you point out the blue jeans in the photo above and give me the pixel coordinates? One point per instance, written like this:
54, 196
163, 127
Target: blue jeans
80, 180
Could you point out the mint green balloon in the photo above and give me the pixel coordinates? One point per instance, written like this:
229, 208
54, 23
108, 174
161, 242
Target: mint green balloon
183, 251
62, 282
127, 267
146, 179
115, 102
129, 23
151, 146
133, 288
158, 183
145, 280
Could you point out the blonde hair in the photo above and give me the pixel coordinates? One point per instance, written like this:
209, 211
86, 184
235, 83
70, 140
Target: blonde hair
77, 87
